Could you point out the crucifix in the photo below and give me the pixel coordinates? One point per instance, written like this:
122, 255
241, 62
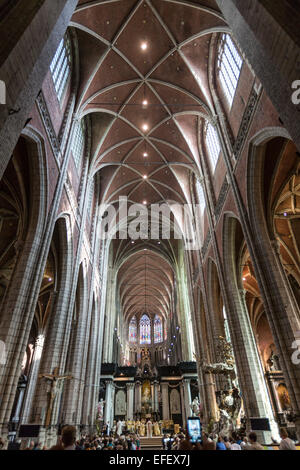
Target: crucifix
55, 380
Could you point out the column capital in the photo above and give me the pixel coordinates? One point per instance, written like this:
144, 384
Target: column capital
39, 342
186, 381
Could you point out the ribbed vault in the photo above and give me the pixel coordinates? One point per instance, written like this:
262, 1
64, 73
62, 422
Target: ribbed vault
165, 87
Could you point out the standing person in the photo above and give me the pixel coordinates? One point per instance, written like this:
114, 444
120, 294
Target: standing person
286, 443
234, 443
119, 428
149, 428
252, 444
220, 445
68, 437
170, 442
227, 443
164, 442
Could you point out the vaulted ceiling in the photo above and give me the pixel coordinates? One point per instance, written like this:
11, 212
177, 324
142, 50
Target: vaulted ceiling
146, 63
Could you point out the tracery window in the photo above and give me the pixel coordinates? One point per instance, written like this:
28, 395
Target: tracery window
158, 330
61, 66
78, 142
200, 196
132, 334
213, 144
229, 66
91, 197
145, 330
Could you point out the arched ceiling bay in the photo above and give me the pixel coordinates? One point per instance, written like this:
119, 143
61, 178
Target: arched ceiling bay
146, 283
171, 74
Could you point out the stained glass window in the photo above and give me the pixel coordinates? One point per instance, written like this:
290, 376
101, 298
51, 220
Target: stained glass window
230, 65
145, 330
158, 330
132, 330
213, 144
78, 142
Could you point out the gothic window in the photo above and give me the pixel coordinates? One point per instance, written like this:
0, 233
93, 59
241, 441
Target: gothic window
201, 204
78, 142
200, 196
212, 144
91, 197
158, 330
226, 326
229, 67
145, 330
61, 66
132, 330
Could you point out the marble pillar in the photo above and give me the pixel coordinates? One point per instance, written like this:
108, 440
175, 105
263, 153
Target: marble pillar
155, 402
138, 397
130, 398
165, 401
182, 405
109, 401
32, 380
187, 397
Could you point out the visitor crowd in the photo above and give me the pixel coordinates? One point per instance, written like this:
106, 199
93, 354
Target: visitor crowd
131, 441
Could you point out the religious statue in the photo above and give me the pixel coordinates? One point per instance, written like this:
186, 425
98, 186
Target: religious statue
273, 362
224, 423
156, 429
142, 429
138, 427
56, 380
100, 409
230, 401
226, 364
176, 428
195, 406
161, 425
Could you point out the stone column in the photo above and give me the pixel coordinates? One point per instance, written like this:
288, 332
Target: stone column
251, 376
32, 379
156, 405
187, 397
182, 405
138, 397
112, 408
165, 400
130, 397
21, 390
109, 401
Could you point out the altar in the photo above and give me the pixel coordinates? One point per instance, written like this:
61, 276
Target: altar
162, 395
